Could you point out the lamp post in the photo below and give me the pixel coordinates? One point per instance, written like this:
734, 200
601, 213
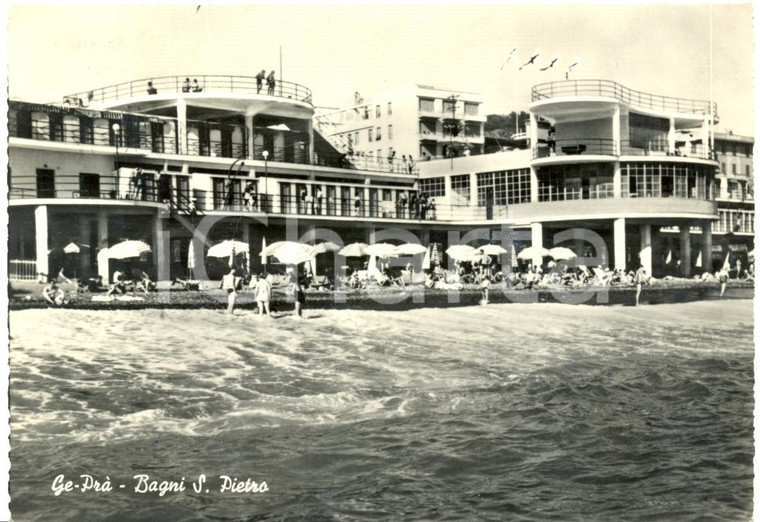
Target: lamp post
117, 138
453, 126
266, 180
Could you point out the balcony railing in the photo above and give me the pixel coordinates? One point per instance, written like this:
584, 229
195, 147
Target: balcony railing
574, 147
660, 148
161, 135
176, 85
631, 97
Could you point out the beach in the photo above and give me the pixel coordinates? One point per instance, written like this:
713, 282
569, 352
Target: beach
518, 410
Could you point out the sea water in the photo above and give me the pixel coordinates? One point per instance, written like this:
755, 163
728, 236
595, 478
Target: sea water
517, 412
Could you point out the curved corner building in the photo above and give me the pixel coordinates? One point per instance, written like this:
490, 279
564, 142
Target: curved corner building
620, 176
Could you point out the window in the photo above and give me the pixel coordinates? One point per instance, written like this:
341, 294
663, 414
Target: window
390, 133
580, 182
369, 135
733, 169
89, 185
434, 187
45, 183
378, 134
646, 180
747, 171
471, 109
509, 187
723, 167
427, 105
356, 138
460, 186
449, 106
390, 109
377, 111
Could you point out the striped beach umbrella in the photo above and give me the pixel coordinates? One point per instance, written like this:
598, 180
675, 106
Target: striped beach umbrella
353, 250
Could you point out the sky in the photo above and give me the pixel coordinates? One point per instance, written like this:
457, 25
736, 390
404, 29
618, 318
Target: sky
337, 49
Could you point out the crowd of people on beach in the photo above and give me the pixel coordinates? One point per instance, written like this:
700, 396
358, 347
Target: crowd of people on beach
261, 286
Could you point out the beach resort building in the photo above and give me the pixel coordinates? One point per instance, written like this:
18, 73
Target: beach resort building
229, 159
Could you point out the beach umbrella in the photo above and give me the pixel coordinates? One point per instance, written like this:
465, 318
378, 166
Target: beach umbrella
410, 249
435, 255
263, 249
292, 253
354, 250
562, 253
191, 256
698, 264
669, 258
327, 246
271, 249
462, 252
751, 253
493, 250
383, 250
426, 259
228, 248
74, 248
513, 255
533, 252
727, 262
128, 249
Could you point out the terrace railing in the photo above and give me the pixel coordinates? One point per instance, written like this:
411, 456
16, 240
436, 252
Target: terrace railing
574, 147
631, 97
216, 84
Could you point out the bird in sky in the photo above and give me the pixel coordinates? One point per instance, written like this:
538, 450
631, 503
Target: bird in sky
550, 65
532, 60
567, 73
509, 57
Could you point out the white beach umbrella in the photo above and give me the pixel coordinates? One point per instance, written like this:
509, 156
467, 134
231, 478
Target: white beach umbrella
669, 258
462, 252
751, 253
410, 249
727, 262
562, 253
292, 253
493, 250
327, 246
263, 249
74, 248
128, 249
513, 255
533, 252
191, 256
698, 264
353, 250
383, 250
426, 260
227, 247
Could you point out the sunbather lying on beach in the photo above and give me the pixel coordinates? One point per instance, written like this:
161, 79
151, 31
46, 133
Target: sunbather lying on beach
54, 295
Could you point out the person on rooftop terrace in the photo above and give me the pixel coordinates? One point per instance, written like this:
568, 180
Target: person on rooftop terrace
259, 80
151, 89
186, 85
270, 84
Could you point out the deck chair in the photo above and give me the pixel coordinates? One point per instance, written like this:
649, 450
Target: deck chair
320, 282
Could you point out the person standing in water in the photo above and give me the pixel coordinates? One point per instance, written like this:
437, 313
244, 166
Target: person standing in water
229, 284
297, 291
263, 293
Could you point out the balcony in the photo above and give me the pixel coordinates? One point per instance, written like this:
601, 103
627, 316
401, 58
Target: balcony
610, 89
153, 134
175, 85
576, 147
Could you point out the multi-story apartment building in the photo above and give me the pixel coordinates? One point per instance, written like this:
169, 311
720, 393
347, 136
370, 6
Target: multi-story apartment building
735, 193
609, 181
418, 122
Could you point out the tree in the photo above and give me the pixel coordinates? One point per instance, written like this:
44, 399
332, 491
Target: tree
503, 125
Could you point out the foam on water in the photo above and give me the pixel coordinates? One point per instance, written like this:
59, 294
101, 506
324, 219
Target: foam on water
544, 410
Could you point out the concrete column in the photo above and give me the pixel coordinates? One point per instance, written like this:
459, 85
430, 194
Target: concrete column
473, 189
619, 239
245, 237
685, 250
706, 246
182, 125
310, 130
371, 235
84, 238
672, 137
616, 130
102, 260
617, 187
533, 132
645, 255
160, 248
249, 130
533, 185
424, 236
706, 136
41, 239
537, 240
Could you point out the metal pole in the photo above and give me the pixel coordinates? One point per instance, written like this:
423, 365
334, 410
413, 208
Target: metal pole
281, 76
